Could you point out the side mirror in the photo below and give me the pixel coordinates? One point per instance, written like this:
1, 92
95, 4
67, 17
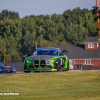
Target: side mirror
29, 54
64, 51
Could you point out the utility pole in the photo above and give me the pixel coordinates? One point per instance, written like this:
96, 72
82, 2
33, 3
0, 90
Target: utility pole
36, 46
4, 58
98, 16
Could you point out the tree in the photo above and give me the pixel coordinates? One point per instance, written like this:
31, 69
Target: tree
9, 14
20, 35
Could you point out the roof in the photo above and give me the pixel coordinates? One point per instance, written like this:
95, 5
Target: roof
91, 39
78, 52
46, 48
1, 63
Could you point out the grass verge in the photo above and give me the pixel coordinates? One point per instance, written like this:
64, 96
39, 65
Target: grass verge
75, 85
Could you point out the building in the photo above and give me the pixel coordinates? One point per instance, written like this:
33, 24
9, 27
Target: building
83, 57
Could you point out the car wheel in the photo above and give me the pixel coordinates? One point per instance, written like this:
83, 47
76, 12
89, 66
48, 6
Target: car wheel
26, 71
67, 66
58, 68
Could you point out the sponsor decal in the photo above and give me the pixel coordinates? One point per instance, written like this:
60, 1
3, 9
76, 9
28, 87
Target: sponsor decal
9, 93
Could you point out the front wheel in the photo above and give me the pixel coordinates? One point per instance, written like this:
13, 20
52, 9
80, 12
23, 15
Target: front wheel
58, 68
26, 71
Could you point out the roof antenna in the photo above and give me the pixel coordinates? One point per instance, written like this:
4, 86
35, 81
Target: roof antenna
98, 16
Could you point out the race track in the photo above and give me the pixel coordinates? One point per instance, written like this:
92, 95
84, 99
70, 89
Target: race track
22, 73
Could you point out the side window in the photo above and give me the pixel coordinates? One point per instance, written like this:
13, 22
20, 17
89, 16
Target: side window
71, 62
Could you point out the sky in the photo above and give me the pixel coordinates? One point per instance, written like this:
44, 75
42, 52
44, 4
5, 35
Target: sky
39, 7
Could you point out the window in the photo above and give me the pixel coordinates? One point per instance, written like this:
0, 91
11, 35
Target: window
97, 45
71, 62
90, 45
87, 61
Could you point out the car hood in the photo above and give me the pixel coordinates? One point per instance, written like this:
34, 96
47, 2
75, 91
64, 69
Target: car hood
41, 57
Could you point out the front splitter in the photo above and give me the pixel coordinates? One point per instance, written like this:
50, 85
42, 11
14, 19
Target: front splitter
40, 70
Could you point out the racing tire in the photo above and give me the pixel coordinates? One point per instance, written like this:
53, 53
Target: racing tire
26, 71
67, 66
58, 68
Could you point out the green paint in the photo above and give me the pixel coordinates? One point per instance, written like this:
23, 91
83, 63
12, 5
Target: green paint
33, 63
42, 64
66, 62
55, 57
51, 62
28, 61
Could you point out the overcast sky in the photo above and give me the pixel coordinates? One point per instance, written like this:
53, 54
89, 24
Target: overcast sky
38, 7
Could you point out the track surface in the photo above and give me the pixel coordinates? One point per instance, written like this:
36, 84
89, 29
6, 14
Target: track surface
22, 73
13, 73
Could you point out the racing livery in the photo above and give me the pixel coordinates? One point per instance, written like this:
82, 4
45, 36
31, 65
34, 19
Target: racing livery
46, 59
6, 69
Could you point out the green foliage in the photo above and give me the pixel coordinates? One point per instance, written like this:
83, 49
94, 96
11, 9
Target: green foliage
20, 35
8, 14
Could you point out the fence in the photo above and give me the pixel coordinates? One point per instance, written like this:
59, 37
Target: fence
83, 67
18, 65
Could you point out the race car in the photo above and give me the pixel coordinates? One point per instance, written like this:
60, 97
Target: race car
46, 59
6, 69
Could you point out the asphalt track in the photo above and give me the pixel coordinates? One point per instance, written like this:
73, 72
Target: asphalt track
21, 73
19, 68
14, 73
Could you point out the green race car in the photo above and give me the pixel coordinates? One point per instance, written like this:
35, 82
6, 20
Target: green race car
46, 59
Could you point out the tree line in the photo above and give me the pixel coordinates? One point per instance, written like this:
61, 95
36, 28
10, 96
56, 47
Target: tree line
19, 36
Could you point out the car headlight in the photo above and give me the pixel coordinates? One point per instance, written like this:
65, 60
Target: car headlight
52, 60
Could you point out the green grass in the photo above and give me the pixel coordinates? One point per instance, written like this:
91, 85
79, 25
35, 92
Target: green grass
74, 85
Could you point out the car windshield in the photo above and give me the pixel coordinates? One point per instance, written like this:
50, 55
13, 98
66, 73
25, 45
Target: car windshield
46, 52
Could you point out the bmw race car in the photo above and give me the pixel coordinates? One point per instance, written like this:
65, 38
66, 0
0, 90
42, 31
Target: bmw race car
6, 69
46, 59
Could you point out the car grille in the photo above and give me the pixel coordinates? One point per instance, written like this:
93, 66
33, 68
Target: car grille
42, 63
37, 63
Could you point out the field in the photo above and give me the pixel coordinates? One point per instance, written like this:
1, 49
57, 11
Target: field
73, 85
